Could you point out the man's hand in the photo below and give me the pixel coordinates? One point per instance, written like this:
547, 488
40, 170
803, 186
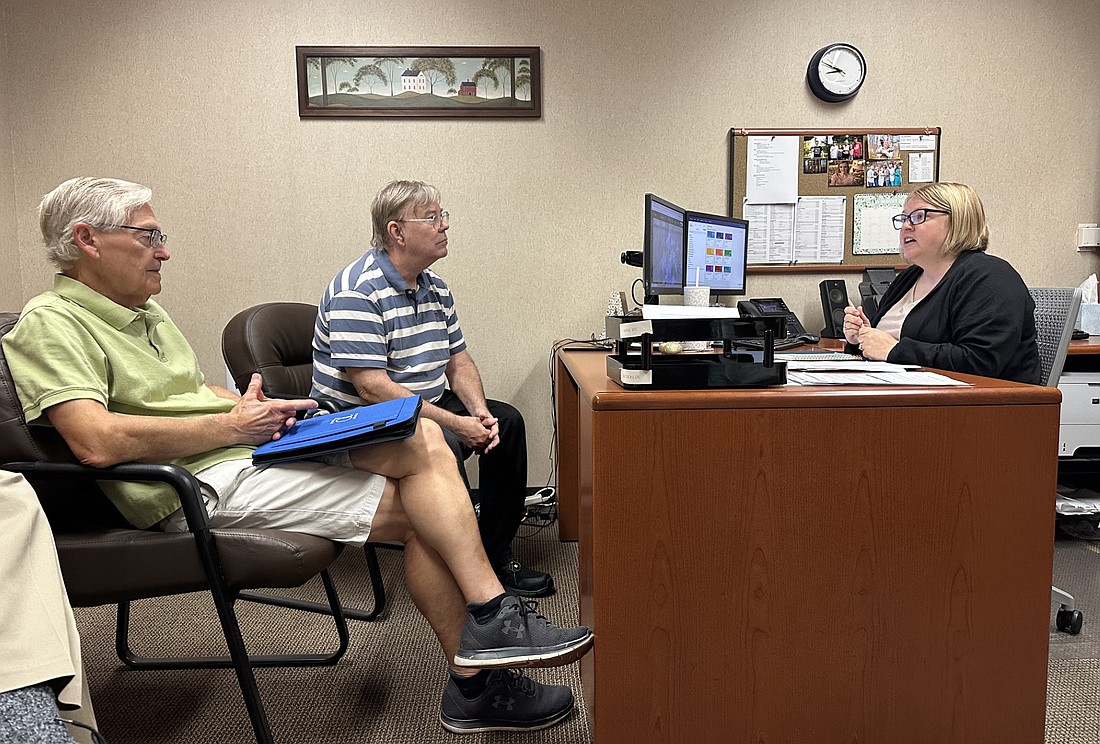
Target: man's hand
256, 419
478, 433
493, 426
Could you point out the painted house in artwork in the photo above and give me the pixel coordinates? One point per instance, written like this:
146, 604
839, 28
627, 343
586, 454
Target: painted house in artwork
414, 80
467, 88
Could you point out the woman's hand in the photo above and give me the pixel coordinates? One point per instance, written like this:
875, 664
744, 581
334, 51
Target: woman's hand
875, 344
854, 320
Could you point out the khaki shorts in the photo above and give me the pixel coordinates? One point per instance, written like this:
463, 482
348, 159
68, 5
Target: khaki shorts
325, 498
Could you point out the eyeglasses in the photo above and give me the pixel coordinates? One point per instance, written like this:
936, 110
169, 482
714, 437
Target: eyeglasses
436, 220
156, 238
916, 217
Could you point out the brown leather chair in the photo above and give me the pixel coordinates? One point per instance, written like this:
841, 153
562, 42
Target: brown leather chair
276, 340
106, 561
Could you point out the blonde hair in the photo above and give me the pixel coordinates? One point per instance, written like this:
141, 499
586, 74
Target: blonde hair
100, 202
393, 202
968, 230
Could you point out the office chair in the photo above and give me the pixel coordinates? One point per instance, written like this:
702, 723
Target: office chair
104, 560
276, 340
1055, 313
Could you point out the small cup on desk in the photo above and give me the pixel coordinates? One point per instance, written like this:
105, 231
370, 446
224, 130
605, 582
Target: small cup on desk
698, 296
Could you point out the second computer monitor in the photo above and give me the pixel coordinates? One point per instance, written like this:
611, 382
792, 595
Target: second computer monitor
716, 249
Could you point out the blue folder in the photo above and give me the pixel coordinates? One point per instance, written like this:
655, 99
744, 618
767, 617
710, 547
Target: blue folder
351, 428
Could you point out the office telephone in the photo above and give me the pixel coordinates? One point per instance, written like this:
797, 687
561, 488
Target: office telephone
772, 306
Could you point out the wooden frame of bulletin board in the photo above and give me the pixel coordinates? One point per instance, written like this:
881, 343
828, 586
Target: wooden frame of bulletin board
818, 183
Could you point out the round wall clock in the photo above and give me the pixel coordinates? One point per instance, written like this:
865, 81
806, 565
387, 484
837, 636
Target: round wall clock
836, 72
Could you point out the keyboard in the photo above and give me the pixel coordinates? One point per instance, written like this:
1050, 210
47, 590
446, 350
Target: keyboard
758, 343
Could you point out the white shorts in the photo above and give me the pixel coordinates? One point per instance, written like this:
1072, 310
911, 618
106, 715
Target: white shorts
328, 499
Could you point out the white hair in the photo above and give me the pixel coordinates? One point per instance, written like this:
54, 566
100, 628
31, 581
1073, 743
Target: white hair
100, 202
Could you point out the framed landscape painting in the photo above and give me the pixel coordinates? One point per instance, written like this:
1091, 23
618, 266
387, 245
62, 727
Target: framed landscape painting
434, 82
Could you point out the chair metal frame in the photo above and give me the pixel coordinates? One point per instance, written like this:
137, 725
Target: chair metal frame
1055, 313
187, 488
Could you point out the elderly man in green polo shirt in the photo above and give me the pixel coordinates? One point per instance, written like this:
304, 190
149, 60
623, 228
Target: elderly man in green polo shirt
105, 365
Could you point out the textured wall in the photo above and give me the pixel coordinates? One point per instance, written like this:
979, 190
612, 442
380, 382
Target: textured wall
197, 100
10, 283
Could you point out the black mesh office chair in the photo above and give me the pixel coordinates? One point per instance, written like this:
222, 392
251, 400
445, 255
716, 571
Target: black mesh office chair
1055, 313
276, 340
104, 560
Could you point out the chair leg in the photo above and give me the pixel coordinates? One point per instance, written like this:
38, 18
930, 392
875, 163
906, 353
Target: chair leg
377, 587
246, 679
130, 659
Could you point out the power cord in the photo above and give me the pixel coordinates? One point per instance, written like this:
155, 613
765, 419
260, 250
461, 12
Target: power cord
95, 734
633, 296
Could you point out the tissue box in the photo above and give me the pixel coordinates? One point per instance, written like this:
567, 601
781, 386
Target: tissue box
1088, 319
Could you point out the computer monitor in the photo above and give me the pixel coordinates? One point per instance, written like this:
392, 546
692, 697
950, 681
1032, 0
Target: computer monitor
663, 250
716, 251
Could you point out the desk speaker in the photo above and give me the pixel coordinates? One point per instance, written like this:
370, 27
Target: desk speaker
834, 298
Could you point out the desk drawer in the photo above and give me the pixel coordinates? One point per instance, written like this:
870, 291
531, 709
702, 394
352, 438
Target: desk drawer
1080, 402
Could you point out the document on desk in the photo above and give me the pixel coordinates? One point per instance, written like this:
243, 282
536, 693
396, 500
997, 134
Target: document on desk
907, 378
844, 363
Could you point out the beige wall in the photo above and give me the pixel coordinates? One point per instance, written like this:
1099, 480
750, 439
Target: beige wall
198, 101
10, 283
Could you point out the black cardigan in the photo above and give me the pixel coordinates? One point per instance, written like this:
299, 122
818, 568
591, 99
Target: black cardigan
979, 320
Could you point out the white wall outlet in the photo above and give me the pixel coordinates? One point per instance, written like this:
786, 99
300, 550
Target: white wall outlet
1088, 236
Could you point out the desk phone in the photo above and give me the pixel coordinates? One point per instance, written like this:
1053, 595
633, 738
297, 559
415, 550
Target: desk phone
775, 306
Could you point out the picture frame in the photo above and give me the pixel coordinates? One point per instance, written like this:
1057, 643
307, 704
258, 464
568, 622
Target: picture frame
419, 82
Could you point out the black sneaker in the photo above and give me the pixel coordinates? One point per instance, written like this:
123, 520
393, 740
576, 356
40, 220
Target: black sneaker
526, 582
510, 702
518, 636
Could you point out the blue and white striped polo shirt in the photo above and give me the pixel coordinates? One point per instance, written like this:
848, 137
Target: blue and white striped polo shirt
371, 317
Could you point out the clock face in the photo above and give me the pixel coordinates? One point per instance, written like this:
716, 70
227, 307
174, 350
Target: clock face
836, 72
841, 70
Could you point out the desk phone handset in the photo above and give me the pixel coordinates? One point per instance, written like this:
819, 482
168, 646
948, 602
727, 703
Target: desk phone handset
772, 306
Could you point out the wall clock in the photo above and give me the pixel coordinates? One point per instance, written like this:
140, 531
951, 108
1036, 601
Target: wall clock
836, 72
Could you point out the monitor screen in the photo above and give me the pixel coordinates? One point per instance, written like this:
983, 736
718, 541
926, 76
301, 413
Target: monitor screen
663, 251
716, 251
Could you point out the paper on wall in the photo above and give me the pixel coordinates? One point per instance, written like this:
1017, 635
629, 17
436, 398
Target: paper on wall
771, 175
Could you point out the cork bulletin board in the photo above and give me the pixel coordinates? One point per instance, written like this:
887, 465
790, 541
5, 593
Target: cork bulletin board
873, 169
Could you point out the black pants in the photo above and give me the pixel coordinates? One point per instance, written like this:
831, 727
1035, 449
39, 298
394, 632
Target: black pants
502, 474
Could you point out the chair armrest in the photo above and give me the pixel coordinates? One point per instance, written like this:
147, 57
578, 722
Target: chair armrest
323, 406
179, 479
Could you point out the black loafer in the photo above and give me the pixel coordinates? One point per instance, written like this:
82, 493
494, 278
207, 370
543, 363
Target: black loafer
526, 582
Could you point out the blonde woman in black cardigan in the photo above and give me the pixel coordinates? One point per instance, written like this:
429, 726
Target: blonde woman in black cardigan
956, 308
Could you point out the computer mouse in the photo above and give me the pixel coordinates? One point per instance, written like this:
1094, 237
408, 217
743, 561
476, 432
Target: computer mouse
810, 338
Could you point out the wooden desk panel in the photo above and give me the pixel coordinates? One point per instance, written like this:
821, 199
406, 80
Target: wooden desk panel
899, 596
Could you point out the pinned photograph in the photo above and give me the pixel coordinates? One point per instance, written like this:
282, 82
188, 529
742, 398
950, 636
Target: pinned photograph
884, 174
846, 147
883, 146
846, 173
814, 165
816, 147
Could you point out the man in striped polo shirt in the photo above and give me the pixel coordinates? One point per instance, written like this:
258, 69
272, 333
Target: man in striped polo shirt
387, 328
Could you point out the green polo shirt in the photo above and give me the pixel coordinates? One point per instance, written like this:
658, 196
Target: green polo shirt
74, 343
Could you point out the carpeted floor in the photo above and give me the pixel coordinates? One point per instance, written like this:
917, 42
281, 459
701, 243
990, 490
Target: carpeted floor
1073, 687
386, 689
388, 686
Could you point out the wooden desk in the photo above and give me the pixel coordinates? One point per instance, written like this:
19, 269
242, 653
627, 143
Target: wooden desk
810, 565
1090, 345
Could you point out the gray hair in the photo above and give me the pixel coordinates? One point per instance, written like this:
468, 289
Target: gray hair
100, 202
394, 201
